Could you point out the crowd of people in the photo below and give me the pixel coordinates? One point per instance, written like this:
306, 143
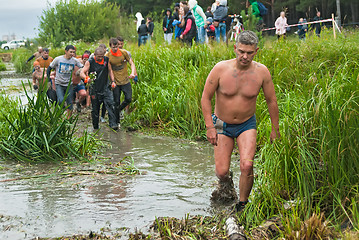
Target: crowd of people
187, 23
282, 26
88, 80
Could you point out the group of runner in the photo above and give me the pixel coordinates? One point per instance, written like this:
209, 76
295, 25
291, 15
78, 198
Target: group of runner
235, 83
85, 79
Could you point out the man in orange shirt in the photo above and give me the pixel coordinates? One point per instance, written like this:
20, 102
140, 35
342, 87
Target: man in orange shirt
45, 59
118, 60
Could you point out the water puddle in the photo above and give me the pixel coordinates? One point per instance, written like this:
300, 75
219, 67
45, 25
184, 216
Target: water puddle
12, 84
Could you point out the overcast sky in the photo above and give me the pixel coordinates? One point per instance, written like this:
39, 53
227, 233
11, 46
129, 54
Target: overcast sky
21, 17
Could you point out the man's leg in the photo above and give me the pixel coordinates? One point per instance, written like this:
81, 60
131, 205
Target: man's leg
247, 148
69, 98
127, 91
217, 33
222, 156
60, 93
108, 104
95, 101
225, 192
223, 31
116, 100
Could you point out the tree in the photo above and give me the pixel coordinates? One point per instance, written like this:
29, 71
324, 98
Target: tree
74, 20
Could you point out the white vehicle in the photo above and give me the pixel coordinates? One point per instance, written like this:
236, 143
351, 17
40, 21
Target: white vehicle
13, 44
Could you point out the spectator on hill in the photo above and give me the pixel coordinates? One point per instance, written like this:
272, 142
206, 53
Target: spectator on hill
177, 21
200, 20
219, 20
318, 26
302, 29
210, 29
189, 27
150, 28
142, 33
167, 26
281, 25
208, 13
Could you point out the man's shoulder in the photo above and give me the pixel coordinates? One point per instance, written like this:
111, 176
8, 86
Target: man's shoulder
225, 64
259, 67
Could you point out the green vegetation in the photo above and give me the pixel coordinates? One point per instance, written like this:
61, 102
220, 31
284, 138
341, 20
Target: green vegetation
41, 132
2, 65
86, 20
19, 58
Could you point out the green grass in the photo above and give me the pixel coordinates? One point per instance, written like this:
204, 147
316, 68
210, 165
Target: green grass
41, 132
2, 65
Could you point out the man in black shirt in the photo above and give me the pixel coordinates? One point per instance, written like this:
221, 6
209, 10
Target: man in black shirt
99, 86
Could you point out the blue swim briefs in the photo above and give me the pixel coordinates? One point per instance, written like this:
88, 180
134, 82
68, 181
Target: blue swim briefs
79, 87
233, 130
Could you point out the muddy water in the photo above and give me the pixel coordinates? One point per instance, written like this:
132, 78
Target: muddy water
12, 84
178, 177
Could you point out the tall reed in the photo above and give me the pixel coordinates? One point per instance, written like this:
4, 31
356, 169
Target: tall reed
41, 132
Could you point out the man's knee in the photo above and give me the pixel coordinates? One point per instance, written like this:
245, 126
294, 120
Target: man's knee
222, 172
246, 166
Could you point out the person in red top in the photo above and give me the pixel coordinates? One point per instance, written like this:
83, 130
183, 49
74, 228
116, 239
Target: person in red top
190, 29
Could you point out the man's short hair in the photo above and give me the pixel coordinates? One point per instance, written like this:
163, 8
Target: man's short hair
119, 38
113, 41
102, 46
99, 50
247, 38
68, 47
45, 50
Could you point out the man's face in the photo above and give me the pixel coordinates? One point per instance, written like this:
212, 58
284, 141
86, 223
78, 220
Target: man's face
99, 56
114, 47
318, 14
245, 53
45, 54
37, 68
70, 53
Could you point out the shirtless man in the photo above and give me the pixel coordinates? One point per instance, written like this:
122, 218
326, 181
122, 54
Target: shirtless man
38, 76
35, 55
237, 83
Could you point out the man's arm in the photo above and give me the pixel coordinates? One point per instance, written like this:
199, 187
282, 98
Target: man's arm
30, 58
48, 72
209, 90
84, 70
271, 99
201, 13
33, 79
133, 69
110, 72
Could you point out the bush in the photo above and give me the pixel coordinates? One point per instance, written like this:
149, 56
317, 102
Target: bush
75, 20
19, 58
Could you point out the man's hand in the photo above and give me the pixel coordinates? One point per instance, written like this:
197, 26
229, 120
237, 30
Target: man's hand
212, 136
274, 135
132, 76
